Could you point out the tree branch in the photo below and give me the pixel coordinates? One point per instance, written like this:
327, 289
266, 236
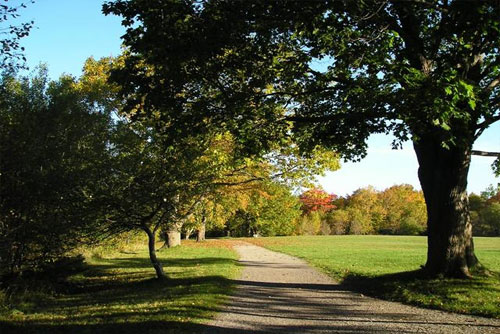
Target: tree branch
493, 84
336, 117
237, 183
483, 125
485, 154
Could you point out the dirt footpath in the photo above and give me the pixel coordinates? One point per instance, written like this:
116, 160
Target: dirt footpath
278, 293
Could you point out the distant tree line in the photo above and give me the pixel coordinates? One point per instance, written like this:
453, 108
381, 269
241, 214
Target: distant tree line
485, 212
398, 210
273, 210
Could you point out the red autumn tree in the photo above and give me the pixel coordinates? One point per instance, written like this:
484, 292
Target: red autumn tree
316, 199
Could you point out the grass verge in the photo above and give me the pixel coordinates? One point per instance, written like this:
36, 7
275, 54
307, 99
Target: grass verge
120, 294
387, 267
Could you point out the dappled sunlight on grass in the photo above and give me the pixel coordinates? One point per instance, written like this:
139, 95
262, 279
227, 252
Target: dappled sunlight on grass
123, 289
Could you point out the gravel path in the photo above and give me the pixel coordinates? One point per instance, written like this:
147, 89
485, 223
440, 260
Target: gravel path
278, 293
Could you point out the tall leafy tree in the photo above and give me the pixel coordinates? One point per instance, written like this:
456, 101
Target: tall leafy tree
405, 210
53, 145
423, 70
365, 210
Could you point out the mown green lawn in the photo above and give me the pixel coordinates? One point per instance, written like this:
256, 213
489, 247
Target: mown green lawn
387, 267
121, 295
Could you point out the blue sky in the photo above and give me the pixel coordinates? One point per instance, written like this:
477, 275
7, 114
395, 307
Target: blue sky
69, 31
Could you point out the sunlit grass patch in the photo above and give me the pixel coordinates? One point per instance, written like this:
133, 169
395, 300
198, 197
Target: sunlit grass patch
121, 294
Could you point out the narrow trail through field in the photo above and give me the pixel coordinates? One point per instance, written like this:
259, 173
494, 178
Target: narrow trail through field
278, 293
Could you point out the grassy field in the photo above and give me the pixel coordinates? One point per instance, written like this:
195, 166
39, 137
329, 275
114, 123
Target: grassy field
387, 267
120, 294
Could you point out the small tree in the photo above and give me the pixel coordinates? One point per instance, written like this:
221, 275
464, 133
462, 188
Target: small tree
150, 187
317, 199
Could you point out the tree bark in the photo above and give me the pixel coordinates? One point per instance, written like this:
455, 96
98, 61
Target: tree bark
200, 235
443, 177
188, 234
152, 254
173, 236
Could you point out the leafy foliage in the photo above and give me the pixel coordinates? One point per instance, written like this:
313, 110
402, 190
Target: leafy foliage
405, 211
53, 148
270, 209
485, 212
397, 210
11, 52
317, 199
390, 67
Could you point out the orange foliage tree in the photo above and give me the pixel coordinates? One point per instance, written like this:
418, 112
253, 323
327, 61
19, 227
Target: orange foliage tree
316, 199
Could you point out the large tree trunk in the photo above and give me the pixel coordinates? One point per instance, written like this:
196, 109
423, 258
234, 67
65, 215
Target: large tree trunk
173, 236
152, 254
443, 176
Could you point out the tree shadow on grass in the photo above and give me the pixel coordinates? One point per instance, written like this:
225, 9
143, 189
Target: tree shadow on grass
146, 327
416, 288
145, 305
123, 296
144, 262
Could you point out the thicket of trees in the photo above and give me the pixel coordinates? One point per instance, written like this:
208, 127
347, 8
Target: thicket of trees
396, 210
53, 149
75, 170
485, 212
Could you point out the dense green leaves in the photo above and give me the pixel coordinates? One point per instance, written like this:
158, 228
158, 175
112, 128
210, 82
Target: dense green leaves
53, 149
338, 70
485, 212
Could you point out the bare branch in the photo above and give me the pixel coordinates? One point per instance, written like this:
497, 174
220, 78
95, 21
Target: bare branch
493, 84
486, 154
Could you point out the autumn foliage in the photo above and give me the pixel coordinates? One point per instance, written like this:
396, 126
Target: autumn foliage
317, 200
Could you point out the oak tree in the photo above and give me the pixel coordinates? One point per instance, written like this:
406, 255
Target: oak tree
329, 73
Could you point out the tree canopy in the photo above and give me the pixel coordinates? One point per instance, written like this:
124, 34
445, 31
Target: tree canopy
329, 73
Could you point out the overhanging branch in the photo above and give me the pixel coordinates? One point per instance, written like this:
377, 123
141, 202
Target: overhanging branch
486, 154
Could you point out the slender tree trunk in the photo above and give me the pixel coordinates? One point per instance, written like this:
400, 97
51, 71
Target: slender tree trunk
152, 254
188, 234
443, 176
200, 235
